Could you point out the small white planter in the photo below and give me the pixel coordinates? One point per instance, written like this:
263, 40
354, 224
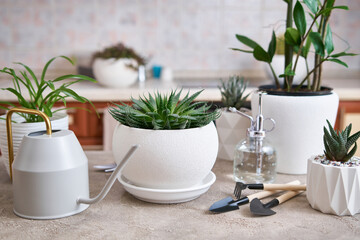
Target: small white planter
20, 129
333, 189
231, 128
299, 126
115, 72
167, 159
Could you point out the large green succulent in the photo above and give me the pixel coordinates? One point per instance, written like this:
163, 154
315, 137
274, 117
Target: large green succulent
164, 112
338, 144
232, 92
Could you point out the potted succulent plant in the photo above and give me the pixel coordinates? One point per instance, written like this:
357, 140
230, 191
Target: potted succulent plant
232, 127
116, 66
333, 178
37, 93
178, 140
299, 110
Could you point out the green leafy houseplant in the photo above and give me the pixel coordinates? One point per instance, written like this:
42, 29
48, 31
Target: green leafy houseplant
39, 98
298, 40
232, 92
119, 51
164, 112
338, 144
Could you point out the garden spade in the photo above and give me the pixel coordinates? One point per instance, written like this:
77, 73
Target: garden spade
258, 208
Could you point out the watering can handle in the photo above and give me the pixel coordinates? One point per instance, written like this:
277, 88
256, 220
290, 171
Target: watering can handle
9, 130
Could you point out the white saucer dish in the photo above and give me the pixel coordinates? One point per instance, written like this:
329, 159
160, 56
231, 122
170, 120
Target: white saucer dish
166, 196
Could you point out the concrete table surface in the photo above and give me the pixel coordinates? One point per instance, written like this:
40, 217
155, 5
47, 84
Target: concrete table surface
121, 216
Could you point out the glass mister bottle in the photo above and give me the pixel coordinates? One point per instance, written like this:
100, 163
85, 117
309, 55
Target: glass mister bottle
255, 157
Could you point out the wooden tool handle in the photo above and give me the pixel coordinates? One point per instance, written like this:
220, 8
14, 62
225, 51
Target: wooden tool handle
264, 194
293, 187
286, 196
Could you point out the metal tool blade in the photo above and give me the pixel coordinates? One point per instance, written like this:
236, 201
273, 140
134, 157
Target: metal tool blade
258, 208
228, 204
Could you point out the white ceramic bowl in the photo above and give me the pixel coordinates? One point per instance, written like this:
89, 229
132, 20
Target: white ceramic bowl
114, 73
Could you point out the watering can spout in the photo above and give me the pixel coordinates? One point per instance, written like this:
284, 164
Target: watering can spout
111, 179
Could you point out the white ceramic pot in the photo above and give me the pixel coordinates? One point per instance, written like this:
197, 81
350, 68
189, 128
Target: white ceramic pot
231, 128
299, 126
167, 159
333, 189
60, 120
278, 66
115, 72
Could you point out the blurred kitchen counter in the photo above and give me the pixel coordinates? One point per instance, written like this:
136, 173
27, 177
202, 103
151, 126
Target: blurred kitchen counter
348, 89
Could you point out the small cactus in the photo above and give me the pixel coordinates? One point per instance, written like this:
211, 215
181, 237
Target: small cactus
232, 92
338, 144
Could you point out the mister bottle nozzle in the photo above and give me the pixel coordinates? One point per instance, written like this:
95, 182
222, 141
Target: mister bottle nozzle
257, 125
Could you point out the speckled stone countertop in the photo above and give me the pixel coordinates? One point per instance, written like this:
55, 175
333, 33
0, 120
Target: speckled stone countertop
121, 216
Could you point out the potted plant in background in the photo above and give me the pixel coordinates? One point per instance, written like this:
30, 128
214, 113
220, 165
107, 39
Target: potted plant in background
37, 93
299, 110
116, 66
232, 127
178, 140
333, 179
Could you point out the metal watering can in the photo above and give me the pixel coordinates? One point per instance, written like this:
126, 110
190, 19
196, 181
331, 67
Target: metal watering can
50, 172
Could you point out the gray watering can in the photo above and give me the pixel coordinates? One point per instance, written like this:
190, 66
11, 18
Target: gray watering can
50, 172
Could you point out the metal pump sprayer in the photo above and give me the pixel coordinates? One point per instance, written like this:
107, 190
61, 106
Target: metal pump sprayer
255, 157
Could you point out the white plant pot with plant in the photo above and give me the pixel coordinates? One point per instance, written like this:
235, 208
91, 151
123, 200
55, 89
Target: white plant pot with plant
37, 93
333, 179
232, 127
117, 66
178, 140
299, 121
298, 41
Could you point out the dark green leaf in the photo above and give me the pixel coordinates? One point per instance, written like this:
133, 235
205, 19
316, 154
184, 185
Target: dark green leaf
48, 64
329, 45
352, 139
51, 85
30, 72
261, 55
342, 54
335, 60
312, 5
351, 153
306, 48
288, 71
247, 41
80, 77
327, 11
299, 18
272, 46
317, 42
292, 36
241, 50
72, 94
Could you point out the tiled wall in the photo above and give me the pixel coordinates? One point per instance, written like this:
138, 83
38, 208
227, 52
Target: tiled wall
180, 34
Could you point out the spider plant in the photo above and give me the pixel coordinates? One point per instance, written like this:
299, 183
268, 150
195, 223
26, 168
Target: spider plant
41, 94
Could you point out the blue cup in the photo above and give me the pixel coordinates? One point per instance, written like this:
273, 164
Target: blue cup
156, 71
